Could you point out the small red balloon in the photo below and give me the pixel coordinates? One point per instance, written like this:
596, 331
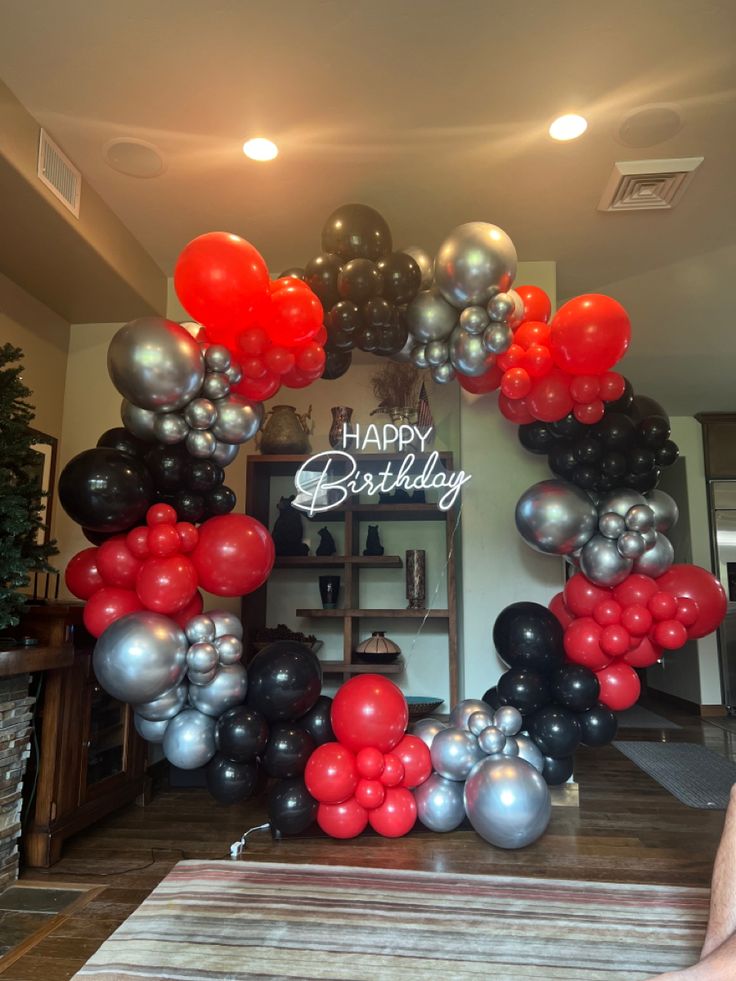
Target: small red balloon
295, 316
670, 634
637, 619
550, 399
192, 609
516, 383
369, 710
585, 388
254, 367
511, 357
117, 564
311, 358
331, 774
258, 389
532, 332
137, 542
369, 761
537, 361
234, 555
620, 686
166, 585
188, 536
393, 771
163, 540
345, 820
582, 596
687, 611
612, 386
582, 642
590, 413
279, 360
537, 305
414, 754
253, 341
607, 612
397, 815
662, 606
636, 589
370, 794
483, 384
160, 514
615, 640
108, 605
644, 655
515, 410
557, 606
82, 577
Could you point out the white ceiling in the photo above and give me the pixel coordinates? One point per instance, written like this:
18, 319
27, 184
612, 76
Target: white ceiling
433, 111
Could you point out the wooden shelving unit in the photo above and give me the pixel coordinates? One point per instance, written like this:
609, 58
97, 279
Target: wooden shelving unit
259, 472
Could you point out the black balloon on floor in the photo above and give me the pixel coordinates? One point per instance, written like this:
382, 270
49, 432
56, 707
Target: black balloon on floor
527, 635
284, 681
557, 770
291, 808
575, 687
229, 782
241, 734
525, 690
317, 721
105, 490
597, 726
555, 730
287, 751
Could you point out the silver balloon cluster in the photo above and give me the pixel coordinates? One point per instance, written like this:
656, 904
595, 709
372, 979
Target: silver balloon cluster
175, 393
473, 272
485, 768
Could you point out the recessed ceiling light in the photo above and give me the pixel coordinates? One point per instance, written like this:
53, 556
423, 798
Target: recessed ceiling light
260, 149
568, 127
133, 157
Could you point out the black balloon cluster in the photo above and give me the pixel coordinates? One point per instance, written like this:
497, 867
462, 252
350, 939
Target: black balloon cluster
558, 700
363, 286
273, 735
629, 447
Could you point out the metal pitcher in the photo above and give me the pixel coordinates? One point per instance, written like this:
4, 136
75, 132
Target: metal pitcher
286, 431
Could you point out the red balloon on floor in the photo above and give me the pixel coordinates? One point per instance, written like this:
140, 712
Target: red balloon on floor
331, 774
345, 820
397, 815
369, 710
414, 754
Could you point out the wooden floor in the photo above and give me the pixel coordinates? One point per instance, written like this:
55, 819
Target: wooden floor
626, 829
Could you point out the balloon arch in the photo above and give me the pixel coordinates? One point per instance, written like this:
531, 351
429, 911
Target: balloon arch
152, 500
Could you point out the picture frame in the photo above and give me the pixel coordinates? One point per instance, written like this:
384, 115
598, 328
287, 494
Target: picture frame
45, 447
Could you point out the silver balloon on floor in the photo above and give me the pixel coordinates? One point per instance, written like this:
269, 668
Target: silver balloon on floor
140, 657
462, 711
556, 517
228, 688
454, 753
440, 804
507, 801
189, 740
529, 751
508, 719
476, 261
427, 729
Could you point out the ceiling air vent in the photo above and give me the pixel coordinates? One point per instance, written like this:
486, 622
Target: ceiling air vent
648, 185
59, 174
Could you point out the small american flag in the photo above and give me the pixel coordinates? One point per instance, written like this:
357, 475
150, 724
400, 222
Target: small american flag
424, 412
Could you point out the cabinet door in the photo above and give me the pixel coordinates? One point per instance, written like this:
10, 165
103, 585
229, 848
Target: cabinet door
105, 730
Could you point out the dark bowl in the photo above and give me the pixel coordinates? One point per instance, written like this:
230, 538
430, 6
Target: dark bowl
422, 705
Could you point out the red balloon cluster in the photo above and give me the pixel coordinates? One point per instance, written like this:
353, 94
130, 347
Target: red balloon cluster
553, 369
612, 631
273, 328
366, 777
160, 565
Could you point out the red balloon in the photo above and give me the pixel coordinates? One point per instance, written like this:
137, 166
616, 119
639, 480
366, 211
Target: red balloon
253, 341
516, 383
637, 619
258, 389
311, 358
532, 332
254, 367
234, 555
221, 281
662, 606
294, 378
582, 596
582, 642
397, 815
295, 316
292, 281
188, 536
369, 710
557, 606
192, 609
620, 686
370, 762
590, 413
393, 771
117, 564
537, 361
137, 542
550, 399
321, 336
483, 383
612, 386
585, 388
670, 634
331, 775
615, 640
370, 794
160, 514
108, 605
537, 305
636, 589
515, 410
279, 360
590, 333
82, 577
415, 756
703, 588
345, 820
511, 357
687, 611
163, 540
166, 585
644, 655
607, 612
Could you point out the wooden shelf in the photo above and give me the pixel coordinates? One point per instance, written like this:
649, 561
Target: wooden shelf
381, 512
345, 667
377, 614
26, 660
338, 561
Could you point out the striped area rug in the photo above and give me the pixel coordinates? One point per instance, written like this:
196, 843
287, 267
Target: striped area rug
245, 920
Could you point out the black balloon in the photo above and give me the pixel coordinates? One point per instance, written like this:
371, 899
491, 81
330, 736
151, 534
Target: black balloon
97, 537
492, 698
356, 231
366, 339
168, 466
320, 274
575, 687
188, 506
562, 459
287, 751
402, 277
284, 681
653, 431
241, 734
229, 782
666, 455
202, 476
377, 312
643, 406
626, 401
120, 439
340, 341
336, 363
343, 316
318, 722
588, 450
640, 460
359, 281
105, 490
291, 808
527, 635
615, 430
597, 726
557, 770
555, 730
221, 500
525, 690
293, 272
569, 427
537, 437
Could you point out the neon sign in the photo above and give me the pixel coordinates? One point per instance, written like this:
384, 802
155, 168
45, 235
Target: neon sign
327, 479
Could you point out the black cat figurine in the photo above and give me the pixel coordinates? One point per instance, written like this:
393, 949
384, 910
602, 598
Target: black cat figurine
288, 531
326, 543
373, 542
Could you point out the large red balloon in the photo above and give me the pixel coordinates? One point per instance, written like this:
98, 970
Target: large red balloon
414, 754
550, 399
222, 281
582, 642
590, 333
701, 586
117, 564
234, 555
82, 577
620, 686
108, 605
166, 585
345, 820
582, 596
369, 710
537, 305
397, 815
331, 775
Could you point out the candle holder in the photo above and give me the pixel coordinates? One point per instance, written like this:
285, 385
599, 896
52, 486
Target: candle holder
416, 578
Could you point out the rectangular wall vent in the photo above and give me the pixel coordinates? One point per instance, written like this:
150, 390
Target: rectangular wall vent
59, 174
648, 185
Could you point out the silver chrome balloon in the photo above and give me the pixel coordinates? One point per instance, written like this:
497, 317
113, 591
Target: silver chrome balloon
665, 510
216, 385
492, 740
480, 720
529, 751
437, 352
200, 443
404, 355
202, 657
138, 421
427, 729
620, 501
602, 562
200, 413
460, 714
454, 753
418, 356
474, 319
234, 374
640, 518
426, 265
217, 357
556, 517
189, 741
508, 719
166, 706
202, 678
200, 628
467, 353
649, 538
228, 688
440, 804
224, 453
170, 428
443, 373
511, 747
226, 623
152, 732
430, 317
507, 802
631, 545
611, 525
657, 559
475, 261
516, 316
501, 306
229, 649
238, 419
497, 338
155, 364
140, 657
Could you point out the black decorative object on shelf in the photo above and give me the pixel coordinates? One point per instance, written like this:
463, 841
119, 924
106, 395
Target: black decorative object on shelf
329, 591
326, 543
288, 531
373, 542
